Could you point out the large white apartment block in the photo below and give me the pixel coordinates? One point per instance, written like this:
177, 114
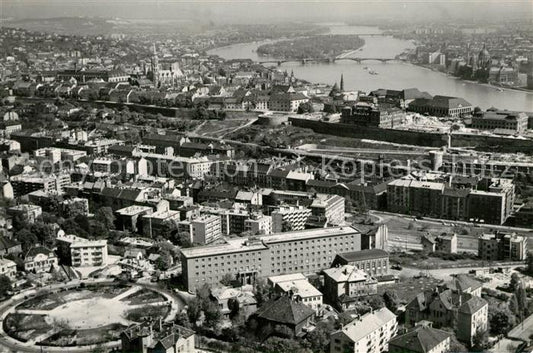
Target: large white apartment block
327, 209
25, 183
206, 229
81, 252
307, 251
369, 333
289, 219
54, 154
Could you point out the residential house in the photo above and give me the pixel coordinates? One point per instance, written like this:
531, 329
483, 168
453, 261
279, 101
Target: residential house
40, 259
157, 337
229, 298
445, 307
344, 285
369, 333
298, 288
286, 313
8, 268
421, 339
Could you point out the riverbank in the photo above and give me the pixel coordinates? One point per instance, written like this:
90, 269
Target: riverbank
396, 75
498, 88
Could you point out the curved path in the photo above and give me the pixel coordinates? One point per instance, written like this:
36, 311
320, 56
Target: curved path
10, 344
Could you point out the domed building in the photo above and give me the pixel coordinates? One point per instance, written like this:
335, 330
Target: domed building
484, 60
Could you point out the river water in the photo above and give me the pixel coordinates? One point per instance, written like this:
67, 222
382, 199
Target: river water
391, 75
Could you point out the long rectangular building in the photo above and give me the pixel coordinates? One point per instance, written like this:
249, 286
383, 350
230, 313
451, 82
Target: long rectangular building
307, 251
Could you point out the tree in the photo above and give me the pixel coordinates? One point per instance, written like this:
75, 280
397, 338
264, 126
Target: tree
182, 239
5, 285
227, 280
194, 310
262, 291
513, 305
164, 262
319, 338
391, 300
529, 262
283, 345
234, 306
183, 319
479, 340
306, 107
26, 239
105, 216
375, 302
212, 315
515, 282
521, 298
501, 320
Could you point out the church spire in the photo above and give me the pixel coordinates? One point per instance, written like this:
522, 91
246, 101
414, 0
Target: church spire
342, 82
155, 67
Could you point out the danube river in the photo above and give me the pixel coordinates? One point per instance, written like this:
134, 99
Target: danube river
392, 75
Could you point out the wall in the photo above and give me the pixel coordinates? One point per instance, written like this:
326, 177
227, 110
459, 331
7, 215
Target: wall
483, 143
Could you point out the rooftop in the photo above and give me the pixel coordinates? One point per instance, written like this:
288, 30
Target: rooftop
133, 210
366, 324
347, 273
301, 287
363, 255
421, 339
239, 245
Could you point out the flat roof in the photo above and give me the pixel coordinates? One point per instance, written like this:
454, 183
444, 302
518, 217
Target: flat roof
77, 242
285, 278
302, 287
131, 210
231, 246
309, 234
242, 244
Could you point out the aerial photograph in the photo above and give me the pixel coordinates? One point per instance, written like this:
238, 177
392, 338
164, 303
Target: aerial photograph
241, 176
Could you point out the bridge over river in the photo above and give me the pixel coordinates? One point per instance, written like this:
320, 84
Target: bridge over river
328, 60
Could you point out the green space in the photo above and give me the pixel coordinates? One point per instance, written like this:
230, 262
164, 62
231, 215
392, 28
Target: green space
315, 47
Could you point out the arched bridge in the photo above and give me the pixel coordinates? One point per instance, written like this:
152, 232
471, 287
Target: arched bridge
329, 60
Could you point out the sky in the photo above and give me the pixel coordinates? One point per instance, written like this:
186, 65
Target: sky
253, 11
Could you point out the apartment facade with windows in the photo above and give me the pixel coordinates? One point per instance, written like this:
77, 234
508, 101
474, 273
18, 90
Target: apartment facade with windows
290, 219
308, 251
81, 252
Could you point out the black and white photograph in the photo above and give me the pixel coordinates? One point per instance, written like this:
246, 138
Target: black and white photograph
241, 176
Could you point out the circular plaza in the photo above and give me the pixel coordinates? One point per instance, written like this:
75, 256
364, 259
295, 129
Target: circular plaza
84, 316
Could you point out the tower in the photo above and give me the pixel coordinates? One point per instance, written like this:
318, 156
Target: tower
155, 67
342, 83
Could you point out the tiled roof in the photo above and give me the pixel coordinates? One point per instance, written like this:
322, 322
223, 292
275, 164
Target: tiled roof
473, 305
366, 324
286, 311
420, 340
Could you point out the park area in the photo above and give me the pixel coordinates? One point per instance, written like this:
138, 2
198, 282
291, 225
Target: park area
86, 315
